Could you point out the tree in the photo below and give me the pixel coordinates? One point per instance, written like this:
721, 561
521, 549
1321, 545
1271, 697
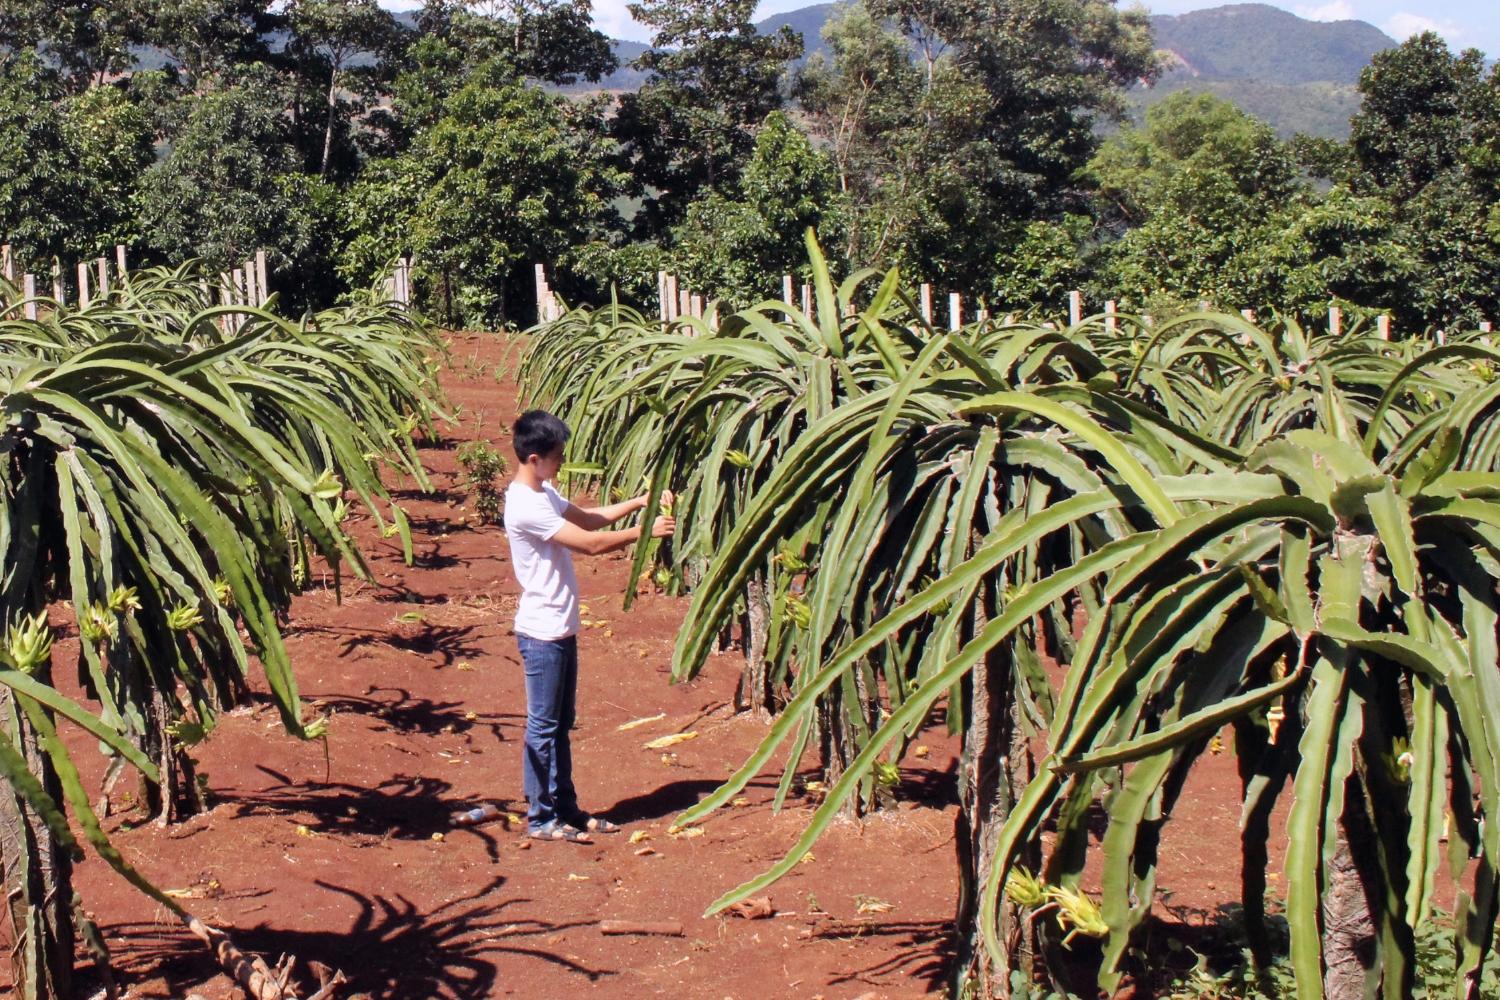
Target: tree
1427, 138
1137, 172
736, 246
1196, 186
109, 138
1052, 70
507, 177
554, 41
69, 165
690, 128
953, 124
1425, 113
89, 40
207, 37
231, 183
329, 34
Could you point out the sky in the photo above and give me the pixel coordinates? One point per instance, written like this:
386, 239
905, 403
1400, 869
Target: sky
1464, 23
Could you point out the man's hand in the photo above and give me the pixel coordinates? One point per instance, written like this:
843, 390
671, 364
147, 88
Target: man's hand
664, 527
665, 502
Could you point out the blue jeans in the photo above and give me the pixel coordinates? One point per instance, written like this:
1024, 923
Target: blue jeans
551, 697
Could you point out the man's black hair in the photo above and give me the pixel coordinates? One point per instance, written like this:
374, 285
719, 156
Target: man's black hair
538, 432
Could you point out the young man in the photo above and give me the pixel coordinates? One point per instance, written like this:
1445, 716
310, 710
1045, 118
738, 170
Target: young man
544, 531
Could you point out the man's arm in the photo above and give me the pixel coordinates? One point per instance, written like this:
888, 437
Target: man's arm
592, 543
594, 518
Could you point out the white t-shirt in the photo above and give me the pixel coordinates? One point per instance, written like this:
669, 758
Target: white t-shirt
549, 590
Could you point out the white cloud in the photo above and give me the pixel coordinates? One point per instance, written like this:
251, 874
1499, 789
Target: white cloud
1405, 24
611, 17
1335, 10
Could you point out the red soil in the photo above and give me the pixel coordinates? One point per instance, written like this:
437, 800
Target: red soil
339, 861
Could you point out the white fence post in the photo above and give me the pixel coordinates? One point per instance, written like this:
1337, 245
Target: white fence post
28, 292
925, 298
1383, 326
83, 285
955, 311
1111, 316
1075, 308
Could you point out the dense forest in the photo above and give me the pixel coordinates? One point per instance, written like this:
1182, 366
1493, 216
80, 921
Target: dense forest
980, 146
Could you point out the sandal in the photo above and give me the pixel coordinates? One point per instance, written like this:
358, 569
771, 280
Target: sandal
593, 824
556, 831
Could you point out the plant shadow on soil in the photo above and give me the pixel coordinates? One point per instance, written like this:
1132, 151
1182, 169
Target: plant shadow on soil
409, 715
393, 949
404, 806
924, 950
667, 800
450, 642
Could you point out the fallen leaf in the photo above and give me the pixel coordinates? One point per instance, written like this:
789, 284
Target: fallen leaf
740, 802
921, 752
868, 904
645, 851
470, 716
572, 877
303, 831
639, 836
465, 665
662, 742
756, 908
686, 833
634, 723
437, 836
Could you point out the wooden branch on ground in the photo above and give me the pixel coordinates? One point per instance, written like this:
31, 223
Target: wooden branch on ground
258, 980
667, 928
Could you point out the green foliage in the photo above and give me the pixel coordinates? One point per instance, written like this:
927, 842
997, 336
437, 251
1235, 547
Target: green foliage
507, 177
482, 465
69, 165
736, 246
209, 38
714, 78
1319, 108
1426, 113
627, 271
324, 38
951, 125
1043, 262
229, 184
1194, 152
87, 40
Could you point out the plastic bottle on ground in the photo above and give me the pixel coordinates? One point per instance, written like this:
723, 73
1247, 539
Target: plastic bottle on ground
477, 815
